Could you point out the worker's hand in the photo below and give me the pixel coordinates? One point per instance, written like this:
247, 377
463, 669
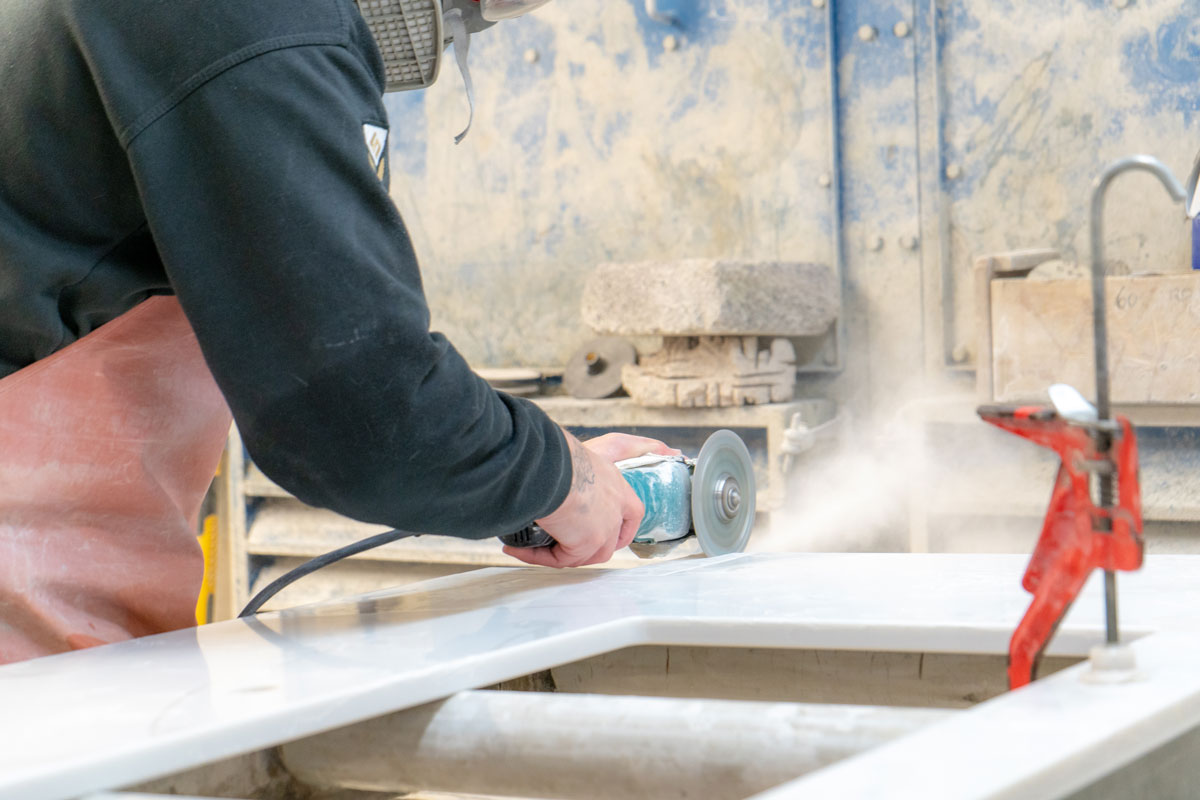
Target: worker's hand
602, 512
615, 447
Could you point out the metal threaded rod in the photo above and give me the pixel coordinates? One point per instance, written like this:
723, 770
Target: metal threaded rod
1100, 319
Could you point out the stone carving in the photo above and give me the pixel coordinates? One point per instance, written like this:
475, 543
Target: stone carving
712, 371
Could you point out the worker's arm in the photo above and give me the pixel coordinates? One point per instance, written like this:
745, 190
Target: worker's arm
302, 286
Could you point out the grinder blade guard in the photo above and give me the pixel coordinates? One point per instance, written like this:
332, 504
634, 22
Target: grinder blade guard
723, 495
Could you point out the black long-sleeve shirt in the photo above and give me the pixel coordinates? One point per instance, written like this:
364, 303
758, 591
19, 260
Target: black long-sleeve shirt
215, 149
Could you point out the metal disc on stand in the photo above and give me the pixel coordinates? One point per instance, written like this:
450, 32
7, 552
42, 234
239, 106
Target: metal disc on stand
594, 371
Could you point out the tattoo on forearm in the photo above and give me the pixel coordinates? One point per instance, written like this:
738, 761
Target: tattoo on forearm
581, 466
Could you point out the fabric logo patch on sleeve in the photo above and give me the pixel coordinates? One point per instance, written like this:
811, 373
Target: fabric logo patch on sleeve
376, 147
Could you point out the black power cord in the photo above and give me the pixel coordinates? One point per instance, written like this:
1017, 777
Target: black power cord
309, 567
529, 536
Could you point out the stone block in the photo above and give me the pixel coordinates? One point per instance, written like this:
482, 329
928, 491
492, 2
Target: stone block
1042, 333
699, 297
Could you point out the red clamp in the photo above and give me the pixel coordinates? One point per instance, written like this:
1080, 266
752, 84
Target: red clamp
1072, 543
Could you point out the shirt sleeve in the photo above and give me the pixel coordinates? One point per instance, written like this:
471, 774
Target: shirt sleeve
300, 281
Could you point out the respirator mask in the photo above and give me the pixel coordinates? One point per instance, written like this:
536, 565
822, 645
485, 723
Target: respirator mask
412, 35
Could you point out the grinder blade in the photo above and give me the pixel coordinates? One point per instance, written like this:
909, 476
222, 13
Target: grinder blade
723, 495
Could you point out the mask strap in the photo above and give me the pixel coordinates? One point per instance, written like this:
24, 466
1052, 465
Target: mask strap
453, 20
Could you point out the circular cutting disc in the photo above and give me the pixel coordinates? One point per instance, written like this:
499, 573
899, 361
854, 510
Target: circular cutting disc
723, 494
595, 370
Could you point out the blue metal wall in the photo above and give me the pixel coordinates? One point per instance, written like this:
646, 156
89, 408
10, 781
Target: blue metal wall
962, 127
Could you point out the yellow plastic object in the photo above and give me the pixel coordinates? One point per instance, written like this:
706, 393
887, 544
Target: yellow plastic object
208, 544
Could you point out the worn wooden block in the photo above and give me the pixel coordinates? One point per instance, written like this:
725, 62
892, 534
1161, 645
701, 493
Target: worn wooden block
1042, 334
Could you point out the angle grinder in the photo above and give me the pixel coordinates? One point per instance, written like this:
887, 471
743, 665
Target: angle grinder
711, 496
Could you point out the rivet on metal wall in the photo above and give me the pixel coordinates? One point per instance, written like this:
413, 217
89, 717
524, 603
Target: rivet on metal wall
909, 242
671, 43
961, 354
901, 29
531, 56
818, 3
824, 181
953, 171
875, 243
867, 33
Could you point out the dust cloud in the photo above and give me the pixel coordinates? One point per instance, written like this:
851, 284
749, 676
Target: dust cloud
923, 479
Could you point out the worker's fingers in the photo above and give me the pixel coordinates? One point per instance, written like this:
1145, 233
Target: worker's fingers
545, 556
631, 520
620, 446
629, 529
603, 553
561, 556
540, 556
600, 556
632, 512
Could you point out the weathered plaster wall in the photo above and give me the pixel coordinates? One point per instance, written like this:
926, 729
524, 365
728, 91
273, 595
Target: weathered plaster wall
1040, 96
610, 147
975, 126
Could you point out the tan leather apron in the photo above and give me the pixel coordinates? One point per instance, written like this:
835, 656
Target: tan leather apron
106, 450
